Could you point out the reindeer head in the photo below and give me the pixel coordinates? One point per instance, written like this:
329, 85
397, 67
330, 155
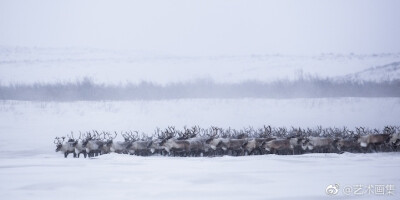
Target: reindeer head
305, 143
211, 137
165, 140
130, 136
71, 138
155, 145
109, 140
335, 141
59, 143
149, 144
87, 139
182, 136
169, 133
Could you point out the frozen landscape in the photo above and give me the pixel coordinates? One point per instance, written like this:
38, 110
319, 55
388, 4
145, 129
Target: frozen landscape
46, 176
119, 67
31, 169
190, 50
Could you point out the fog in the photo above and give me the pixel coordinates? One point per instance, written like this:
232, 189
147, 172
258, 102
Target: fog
72, 66
205, 27
301, 88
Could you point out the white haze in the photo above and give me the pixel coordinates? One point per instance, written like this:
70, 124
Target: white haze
28, 65
179, 41
205, 27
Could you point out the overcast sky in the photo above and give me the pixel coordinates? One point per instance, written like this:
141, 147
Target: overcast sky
201, 27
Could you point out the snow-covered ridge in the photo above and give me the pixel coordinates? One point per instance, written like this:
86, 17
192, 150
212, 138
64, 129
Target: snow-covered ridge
388, 72
41, 54
52, 65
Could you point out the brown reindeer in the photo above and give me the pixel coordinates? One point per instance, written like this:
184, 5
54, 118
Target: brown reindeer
278, 146
319, 144
370, 142
174, 146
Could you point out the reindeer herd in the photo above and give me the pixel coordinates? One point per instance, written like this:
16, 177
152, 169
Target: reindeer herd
215, 141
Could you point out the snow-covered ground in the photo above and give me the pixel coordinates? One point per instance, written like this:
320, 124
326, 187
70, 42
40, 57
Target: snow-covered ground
228, 41
46, 65
29, 167
48, 176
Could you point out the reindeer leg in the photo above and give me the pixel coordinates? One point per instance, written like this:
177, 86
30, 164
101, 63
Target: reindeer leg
370, 148
374, 150
251, 152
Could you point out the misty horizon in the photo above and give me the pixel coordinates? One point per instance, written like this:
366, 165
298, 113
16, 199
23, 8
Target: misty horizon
86, 89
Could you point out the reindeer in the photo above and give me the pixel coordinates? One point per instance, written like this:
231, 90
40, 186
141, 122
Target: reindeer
368, 141
296, 144
79, 149
319, 144
284, 144
254, 145
173, 145
106, 148
348, 143
217, 141
155, 147
372, 141
197, 142
214, 141
394, 132
234, 146
66, 148
141, 147
278, 146
122, 147
93, 144
395, 139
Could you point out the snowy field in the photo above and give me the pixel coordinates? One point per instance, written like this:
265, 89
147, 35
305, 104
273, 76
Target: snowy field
29, 167
49, 176
124, 42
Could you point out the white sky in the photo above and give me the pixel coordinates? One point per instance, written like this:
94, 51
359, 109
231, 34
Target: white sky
202, 27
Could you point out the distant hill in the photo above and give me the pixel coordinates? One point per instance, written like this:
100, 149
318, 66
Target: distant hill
388, 72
